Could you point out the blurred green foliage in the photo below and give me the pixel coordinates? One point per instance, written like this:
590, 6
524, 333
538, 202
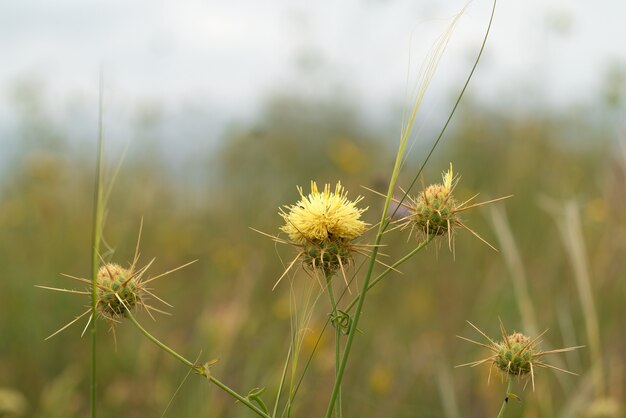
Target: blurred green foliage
224, 307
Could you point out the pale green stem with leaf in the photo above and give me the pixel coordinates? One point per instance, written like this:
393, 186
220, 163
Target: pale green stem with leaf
282, 382
331, 294
199, 369
505, 402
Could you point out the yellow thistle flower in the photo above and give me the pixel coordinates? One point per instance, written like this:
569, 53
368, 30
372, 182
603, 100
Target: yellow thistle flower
323, 216
322, 225
517, 355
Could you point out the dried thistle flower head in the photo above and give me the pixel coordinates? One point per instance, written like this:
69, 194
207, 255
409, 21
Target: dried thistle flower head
322, 225
516, 355
435, 212
118, 290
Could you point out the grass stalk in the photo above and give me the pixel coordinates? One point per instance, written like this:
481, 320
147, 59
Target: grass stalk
568, 223
515, 265
384, 220
96, 237
452, 112
282, 382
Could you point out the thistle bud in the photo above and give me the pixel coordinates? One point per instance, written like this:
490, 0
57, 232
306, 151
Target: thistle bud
118, 290
515, 355
327, 255
434, 210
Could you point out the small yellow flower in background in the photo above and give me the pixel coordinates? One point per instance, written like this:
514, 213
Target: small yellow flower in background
323, 216
435, 212
322, 225
516, 355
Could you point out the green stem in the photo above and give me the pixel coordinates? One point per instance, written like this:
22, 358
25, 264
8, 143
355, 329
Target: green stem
392, 268
456, 104
354, 301
357, 316
198, 369
282, 382
505, 402
96, 237
385, 221
333, 303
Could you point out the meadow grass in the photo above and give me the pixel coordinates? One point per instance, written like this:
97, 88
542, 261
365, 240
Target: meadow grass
411, 320
236, 297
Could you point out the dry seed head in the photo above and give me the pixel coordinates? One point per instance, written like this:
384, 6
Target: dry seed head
118, 290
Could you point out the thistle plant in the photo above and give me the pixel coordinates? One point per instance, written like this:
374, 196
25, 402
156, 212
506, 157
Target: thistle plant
326, 229
323, 226
434, 212
515, 356
119, 291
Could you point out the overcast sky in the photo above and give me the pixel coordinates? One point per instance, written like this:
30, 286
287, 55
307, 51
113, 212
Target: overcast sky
221, 59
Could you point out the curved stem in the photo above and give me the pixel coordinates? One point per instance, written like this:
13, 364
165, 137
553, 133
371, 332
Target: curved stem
505, 402
392, 268
198, 369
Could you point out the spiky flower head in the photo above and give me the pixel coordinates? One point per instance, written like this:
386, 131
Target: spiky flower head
323, 225
435, 212
118, 290
516, 354
323, 216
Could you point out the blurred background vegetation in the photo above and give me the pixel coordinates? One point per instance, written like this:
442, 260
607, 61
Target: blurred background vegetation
566, 168
224, 307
